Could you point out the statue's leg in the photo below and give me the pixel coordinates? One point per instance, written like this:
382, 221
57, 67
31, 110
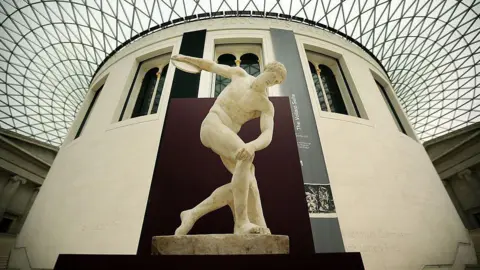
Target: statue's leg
255, 211
226, 143
241, 184
219, 198
240, 188
230, 165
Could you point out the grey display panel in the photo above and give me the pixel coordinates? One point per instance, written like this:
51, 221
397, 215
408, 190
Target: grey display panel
326, 230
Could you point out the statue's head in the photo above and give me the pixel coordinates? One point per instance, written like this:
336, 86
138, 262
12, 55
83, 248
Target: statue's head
275, 73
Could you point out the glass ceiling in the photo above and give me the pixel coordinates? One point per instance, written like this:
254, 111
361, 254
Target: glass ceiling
49, 51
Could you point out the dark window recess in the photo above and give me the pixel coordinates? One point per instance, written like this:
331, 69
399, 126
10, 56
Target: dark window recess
129, 93
5, 224
178, 20
391, 108
146, 92
334, 96
185, 85
272, 14
220, 81
165, 24
348, 89
477, 217
318, 88
297, 18
158, 94
85, 118
249, 62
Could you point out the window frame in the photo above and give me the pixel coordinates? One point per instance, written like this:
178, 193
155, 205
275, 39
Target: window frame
306, 42
131, 62
146, 92
91, 105
391, 109
392, 97
237, 50
82, 112
317, 59
158, 61
235, 36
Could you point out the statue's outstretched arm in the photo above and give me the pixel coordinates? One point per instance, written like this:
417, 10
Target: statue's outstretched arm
210, 66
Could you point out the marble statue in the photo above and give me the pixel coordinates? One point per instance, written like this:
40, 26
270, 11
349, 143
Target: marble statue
244, 99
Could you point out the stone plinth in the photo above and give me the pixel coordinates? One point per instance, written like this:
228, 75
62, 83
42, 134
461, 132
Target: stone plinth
220, 244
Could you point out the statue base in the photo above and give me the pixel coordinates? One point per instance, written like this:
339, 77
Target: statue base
220, 244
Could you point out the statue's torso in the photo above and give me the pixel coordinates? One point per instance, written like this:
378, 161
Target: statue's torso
238, 103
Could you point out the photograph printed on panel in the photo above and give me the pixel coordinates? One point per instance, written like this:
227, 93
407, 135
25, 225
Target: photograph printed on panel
319, 199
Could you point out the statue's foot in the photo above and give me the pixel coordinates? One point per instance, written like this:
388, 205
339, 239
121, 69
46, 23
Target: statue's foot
187, 223
250, 228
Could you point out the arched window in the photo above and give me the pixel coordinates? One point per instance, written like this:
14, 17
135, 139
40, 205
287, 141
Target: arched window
220, 81
318, 87
145, 94
249, 62
244, 55
332, 91
158, 94
152, 86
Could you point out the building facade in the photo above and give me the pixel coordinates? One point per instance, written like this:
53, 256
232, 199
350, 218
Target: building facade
456, 157
24, 165
370, 185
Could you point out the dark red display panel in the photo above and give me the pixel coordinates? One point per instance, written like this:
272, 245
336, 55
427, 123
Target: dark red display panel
186, 172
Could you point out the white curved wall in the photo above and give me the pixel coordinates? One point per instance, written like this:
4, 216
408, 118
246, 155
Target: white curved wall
390, 201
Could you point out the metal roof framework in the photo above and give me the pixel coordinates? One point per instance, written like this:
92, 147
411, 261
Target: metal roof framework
50, 50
